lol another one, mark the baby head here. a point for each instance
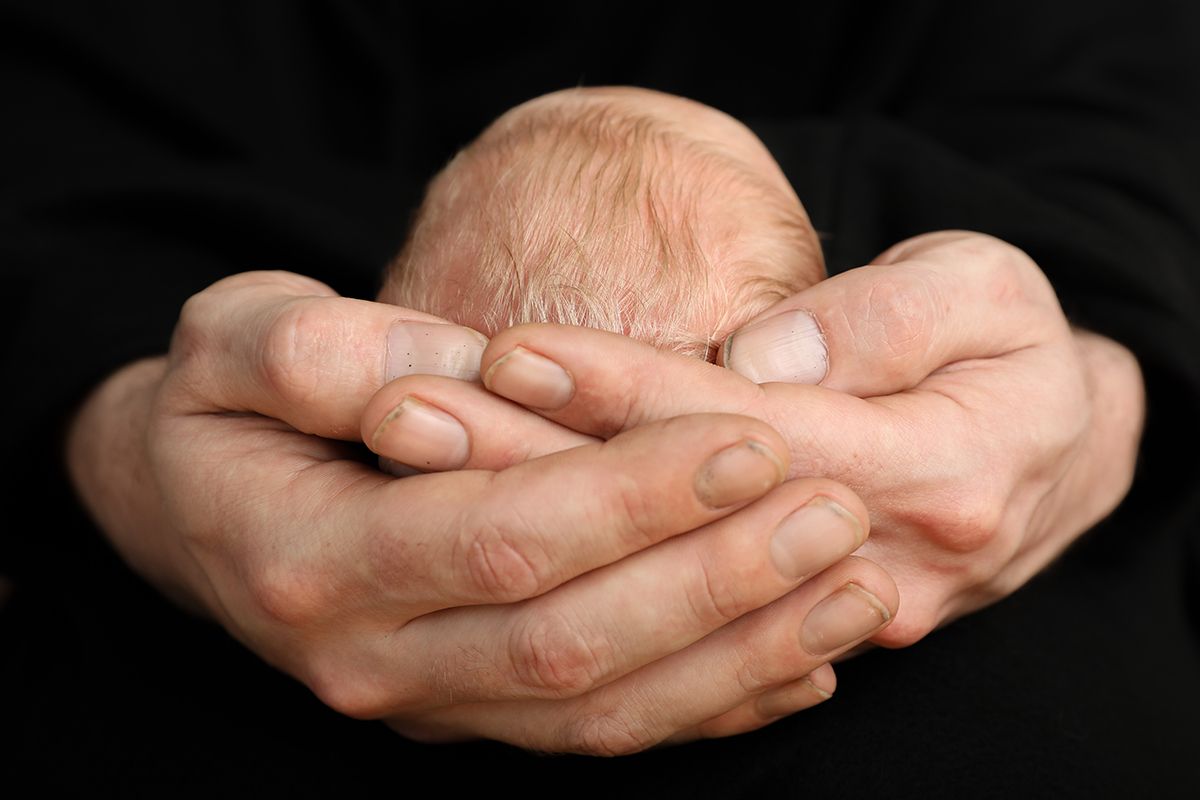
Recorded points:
(623, 209)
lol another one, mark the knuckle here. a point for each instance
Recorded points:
(1013, 259)
(964, 522)
(193, 330)
(549, 653)
(500, 565)
(290, 595)
(899, 316)
(762, 664)
(293, 346)
(1009, 275)
(633, 511)
(714, 595)
(273, 280)
(607, 733)
(1012, 276)
(626, 406)
(753, 676)
(971, 524)
(340, 687)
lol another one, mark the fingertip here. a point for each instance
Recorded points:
(752, 459)
(423, 435)
(741, 472)
(803, 693)
(845, 502)
(417, 347)
(823, 680)
(877, 581)
(529, 379)
(377, 408)
(787, 347)
(503, 342)
(863, 602)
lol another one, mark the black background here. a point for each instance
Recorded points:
(149, 149)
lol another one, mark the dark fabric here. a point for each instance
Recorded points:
(149, 149)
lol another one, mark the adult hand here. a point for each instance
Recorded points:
(602, 599)
(942, 383)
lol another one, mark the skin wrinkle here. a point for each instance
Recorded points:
(592, 208)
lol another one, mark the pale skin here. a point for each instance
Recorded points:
(444, 603)
(991, 434)
(979, 398)
(199, 500)
(455, 605)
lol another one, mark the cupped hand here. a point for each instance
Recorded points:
(942, 383)
(601, 599)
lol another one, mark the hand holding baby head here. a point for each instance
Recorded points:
(618, 209)
(601, 599)
(965, 411)
(665, 580)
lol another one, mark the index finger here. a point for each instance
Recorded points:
(601, 383)
(531, 527)
(618, 383)
(411, 546)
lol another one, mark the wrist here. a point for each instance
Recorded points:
(1104, 469)
(108, 462)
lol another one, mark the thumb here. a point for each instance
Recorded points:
(886, 327)
(288, 347)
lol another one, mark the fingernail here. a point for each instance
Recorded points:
(810, 539)
(823, 681)
(844, 617)
(418, 434)
(744, 471)
(790, 698)
(786, 348)
(530, 379)
(426, 348)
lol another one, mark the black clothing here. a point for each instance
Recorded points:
(150, 149)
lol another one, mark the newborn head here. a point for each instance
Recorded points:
(623, 209)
